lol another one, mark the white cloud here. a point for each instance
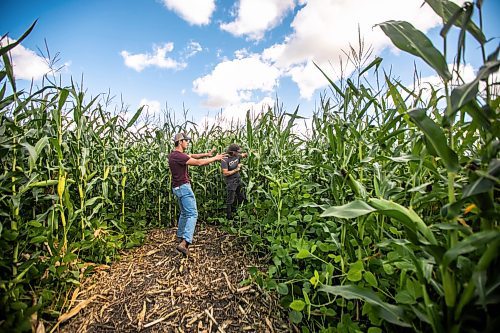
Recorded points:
(151, 107)
(321, 30)
(235, 114)
(232, 81)
(157, 59)
(255, 17)
(308, 78)
(196, 12)
(27, 65)
(150, 115)
(191, 49)
(241, 53)
(465, 74)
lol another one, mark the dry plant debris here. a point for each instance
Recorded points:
(154, 288)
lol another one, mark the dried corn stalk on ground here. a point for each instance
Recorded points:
(155, 289)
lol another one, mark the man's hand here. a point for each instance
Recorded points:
(219, 157)
(211, 152)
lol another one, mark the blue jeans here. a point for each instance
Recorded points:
(189, 213)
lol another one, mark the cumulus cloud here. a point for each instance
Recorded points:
(241, 53)
(321, 30)
(27, 65)
(233, 81)
(159, 58)
(234, 114)
(151, 107)
(195, 12)
(464, 74)
(191, 49)
(255, 17)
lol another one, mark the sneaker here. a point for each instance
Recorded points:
(183, 247)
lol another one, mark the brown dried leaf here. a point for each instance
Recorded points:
(75, 310)
(141, 316)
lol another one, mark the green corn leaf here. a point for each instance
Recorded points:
(470, 244)
(435, 138)
(42, 143)
(406, 216)
(349, 211)
(337, 89)
(449, 11)
(485, 183)
(376, 62)
(404, 36)
(10, 74)
(479, 117)
(467, 92)
(391, 313)
(92, 201)
(33, 156)
(134, 118)
(62, 98)
(480, 280)
(9, 47)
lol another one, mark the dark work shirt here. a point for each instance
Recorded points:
(178, 168)
(230, 163)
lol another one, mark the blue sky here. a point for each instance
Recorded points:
(212, 56)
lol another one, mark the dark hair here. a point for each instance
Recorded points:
(233, 148)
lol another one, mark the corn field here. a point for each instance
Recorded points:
(384, 216)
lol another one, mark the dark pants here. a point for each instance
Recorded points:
(235, 196)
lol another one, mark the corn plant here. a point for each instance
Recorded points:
(450, 277)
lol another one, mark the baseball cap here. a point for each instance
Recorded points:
(233, 147)
(180, 136)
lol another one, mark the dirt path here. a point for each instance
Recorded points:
(155, 289)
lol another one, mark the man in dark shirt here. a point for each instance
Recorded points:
(178, 162)
(231, 167)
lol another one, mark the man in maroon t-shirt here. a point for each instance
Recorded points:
(178, 162)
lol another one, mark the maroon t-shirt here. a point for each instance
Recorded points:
(178, 168)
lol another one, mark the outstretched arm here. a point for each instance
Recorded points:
(210, 153)
(204, 161)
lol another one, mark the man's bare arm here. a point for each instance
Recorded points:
(210, 153)
(205, 161)
(228, 173)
